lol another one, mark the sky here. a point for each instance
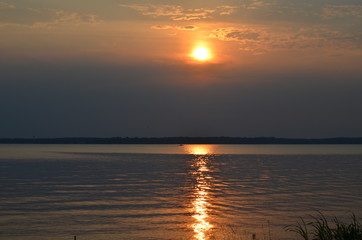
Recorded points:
(92, 68)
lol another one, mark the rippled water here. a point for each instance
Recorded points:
(172, 192)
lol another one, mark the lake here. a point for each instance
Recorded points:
(109, 192)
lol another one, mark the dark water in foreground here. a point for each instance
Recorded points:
(109, 192)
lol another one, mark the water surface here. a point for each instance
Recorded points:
(172, 192)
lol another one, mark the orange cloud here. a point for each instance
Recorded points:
(162, 27)
(255, 4)
(177, 12)
(226, 9)
(156, 10)
(187, 28)
(166, 27)
(264, 38)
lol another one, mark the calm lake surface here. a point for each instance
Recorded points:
(109, 192)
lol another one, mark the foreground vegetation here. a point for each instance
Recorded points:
(319, 228)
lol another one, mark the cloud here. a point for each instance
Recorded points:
(64, 17)
(162, 27)
(194, 14)
(243, 35)
(156, 10)
(168, 27)
(45, 17)
(263, 38)
(324, 38)
(174, 12)
(342, 11)
(226, 9)
(187, 28)
(255, 4)
(178, 13)
(4, 5)
(250, 39)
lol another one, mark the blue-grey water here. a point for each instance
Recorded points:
(109, 192)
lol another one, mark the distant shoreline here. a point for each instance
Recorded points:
(181, 140)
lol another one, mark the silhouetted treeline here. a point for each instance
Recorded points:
(181, 140)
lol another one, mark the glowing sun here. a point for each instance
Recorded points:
(201, 54)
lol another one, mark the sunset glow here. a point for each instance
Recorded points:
(199, 149)
(197, 120)
(162, 68)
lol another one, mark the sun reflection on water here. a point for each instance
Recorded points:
(199, 149)
(202, 179)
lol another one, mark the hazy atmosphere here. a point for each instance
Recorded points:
(131, 68)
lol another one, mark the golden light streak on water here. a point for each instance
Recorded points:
(201, 226)
(200, 202)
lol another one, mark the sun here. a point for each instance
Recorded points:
(201, 54)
